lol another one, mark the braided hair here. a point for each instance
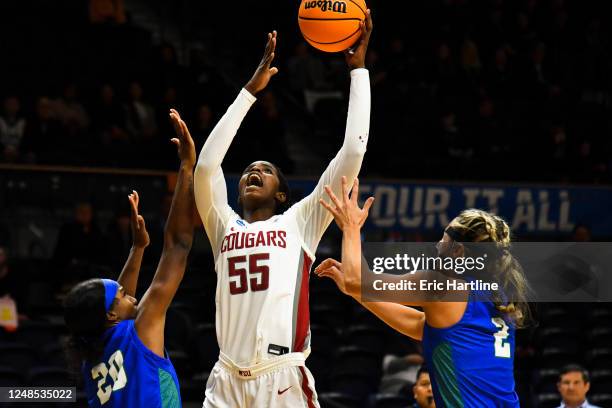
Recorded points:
(475, 225)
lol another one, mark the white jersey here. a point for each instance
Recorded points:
(263, 268)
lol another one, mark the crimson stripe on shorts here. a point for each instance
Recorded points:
(303, 311)
(306, 389)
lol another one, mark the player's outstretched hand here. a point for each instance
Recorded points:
(140, 236)
(346, 212)
(355, 57)
(330, 268)
(183, 140)
(264, 71)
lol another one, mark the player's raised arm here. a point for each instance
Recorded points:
(209, 182)
(140, 240)
(178, 237)
(347, 162)
(347, 275)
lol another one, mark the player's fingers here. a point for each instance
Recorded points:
(336, 272)
(368, 204)
(141, 222)
(273, 71)
(137, 197)
(369, 23)
(345, 191)
(355, 191)
(335, 263)
(175, 118)
(326, 206)
(333, 197)
(325, 264)
(185, 132)
(176, 142)
(133, 206)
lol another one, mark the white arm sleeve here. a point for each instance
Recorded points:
(209, 183)
(312, 218)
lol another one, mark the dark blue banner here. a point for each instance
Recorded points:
(535, 209)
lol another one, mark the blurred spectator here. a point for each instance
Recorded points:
(167, 73)
(492, 136)
(108, 124)
(458, 146)
(423, 395)
(12, 128)
(442, 72)
(43, 141)
(70, 111)
(80, 241)
(400, 372)
(573, 387)
(470, 60)
(106, 11)
(140, 116)
(499, 75)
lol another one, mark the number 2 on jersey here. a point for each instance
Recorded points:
(501, 349)
(116, 372)
(259, 274)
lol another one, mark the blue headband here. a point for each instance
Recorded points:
(110, 291)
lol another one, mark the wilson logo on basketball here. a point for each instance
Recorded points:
(326, 5)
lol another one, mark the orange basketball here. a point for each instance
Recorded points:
(331, 25)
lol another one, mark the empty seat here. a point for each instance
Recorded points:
(599, 337)
(554, 315)
(545, 381)
(601, 381)
(557, 357)
(602, 400)
(561, 337)
(599, 358)
(600, 316)
(548, 400)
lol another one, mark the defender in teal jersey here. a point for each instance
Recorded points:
(118, 343)
(468, 343)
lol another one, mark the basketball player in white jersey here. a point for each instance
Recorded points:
(263, 255)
